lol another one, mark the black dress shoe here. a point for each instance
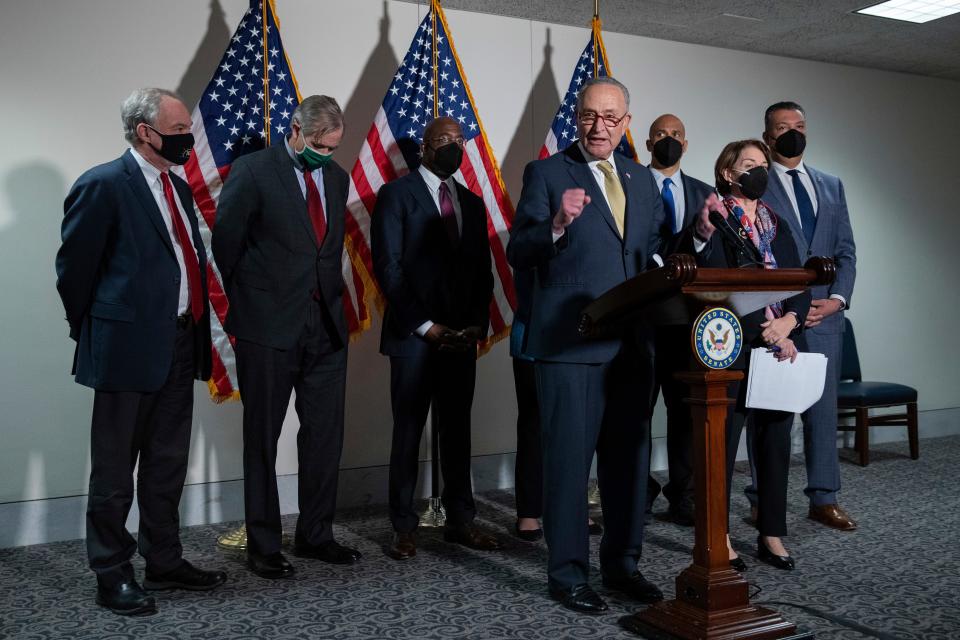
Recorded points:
(404, 546)
(187, 577)
(595, 528)
(529, 535)
(270, 566)
(580, 598)
(635, 586)
(332, 552)
(127, 599)
(738, 564)
(765, 555)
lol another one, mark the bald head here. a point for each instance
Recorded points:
(439, 126)
(442, 147)
(670, 124)
(667, 143)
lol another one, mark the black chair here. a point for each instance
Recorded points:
(858, 397)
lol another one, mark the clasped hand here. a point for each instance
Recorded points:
(446, 339)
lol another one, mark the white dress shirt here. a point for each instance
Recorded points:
(676, 189)
(787, 181)
(433, 186)
(152, 176)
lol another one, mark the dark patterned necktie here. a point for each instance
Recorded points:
(448, 215)
(808, 219)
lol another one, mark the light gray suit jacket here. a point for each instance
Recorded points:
(832, 238)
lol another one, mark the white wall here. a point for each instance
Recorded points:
(67, 65)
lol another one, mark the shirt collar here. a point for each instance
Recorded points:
(150, 172)
(782, 169)
(675, 179)
(433, 180)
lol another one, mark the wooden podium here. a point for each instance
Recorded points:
(712, 600)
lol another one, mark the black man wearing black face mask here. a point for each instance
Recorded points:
(683, 197)
(431, 257)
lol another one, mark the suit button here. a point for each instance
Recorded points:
(176, 280)
(173, 316)
(626, 252)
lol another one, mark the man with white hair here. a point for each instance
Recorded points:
(130, 273)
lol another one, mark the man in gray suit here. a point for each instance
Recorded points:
(814, 205)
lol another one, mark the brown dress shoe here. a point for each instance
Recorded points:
(833, 516)
(470, 536)
(404, 546)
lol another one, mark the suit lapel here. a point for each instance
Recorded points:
(334, 207)
(776, 197)
(583, 176)
(690, 201)
(138, 184)
(285, 174)
(822, 209)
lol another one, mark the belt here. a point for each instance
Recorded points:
(184, 320)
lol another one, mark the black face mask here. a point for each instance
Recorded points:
(446, 160)
(667, 151)
(791, 144)
(174, 147)
(753, 183)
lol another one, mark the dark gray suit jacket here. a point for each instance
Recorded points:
(589, 259)
(266, 249)
(832, 238)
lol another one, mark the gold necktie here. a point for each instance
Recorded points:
(615, 197)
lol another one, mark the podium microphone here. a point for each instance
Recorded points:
(745, 250)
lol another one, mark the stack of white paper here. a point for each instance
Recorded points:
(784, 385)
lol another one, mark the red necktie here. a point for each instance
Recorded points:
(448, 214)
(315, 208)
(189, 254)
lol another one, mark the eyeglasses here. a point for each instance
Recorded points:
(588, 118)
(443, 141)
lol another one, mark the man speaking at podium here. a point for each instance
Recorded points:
(587, 220)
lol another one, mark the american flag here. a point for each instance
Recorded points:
(391, 149)
(246, 107)
(563, 129)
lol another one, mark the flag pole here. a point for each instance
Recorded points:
(434, 5)
(266, 75)
(434, 516)
(596, 34)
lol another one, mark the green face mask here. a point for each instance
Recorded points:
(313, 159)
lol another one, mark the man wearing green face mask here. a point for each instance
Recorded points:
(278, 242)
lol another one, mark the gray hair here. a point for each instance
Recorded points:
(318, 115)
(592, 82)
(142, 106)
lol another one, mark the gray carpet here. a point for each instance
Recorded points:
(898, 576)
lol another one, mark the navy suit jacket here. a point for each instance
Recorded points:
(833, 237)
(676, 309)
(590, 257)
(420, 272)
(119, 280)
(266, 249)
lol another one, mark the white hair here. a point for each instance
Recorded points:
(142, 106)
